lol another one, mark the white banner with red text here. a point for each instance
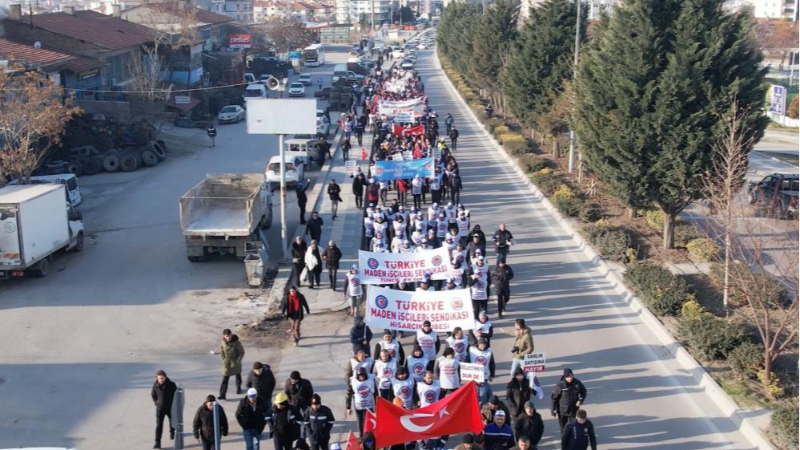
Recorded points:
(389, 268)
(405, 311)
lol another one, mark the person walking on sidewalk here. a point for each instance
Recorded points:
(299, 390)
(360, 335)
(212, 135)
(284, 428)
(579, 434)
(332, 255)
(314, 226)
(353, 289)
(334, 193)
(299, 248)
(232, 353)
(346, 146)
(416, 191)
(568, 396)
(302, 199)
(448, 123)
(292, 308)
(252, 414)
(501, 280)
(163, 393)
(313, 262)
(454, 138)
(203, 423)
(261, 379)
(319, 421)
(503, 240)
(359, 183)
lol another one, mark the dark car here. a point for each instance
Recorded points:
(778, 192)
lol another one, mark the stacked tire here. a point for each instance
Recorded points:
(87, 160)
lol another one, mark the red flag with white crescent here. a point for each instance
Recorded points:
(370, 422)
(454, 414)
(352, 442)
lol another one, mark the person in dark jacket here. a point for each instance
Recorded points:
(360, 335)
(518, 391)
(474, 246)
(579, 434)
(314, 226)
(292, 308)
(212, 135)
(299, 391)
(529, 424)
(252, 415)
(359, 183)
(163, 393)
(299, 248)
(319, 422)
(501, 281)
(284, 428)
(503, 240)
(568, 396)
(497, 434)
(454, 138)
(203, 423)
(334, 193)
(302, 199)
(454, 187)
(332, 255)
(262, 380)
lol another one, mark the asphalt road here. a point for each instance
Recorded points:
(81, 346)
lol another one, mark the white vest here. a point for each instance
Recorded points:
(385, 371)
(484, 328)
(366, 364)
(353, 285)
(448, 373)
(441, 227)
(363, 393)
(404, 390)
(484, 357)
(478, 289)
(392, 347)
(428, 394)
(463, 227)
(460, 346)
(428, 343)
(451, 214)
(416, 367)
(369, 227)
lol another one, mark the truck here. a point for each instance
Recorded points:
(224, 215)
(778, 192)
(36, 221)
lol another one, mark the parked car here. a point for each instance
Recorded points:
(778, 192)
(297, 89)
(305, 79)
(407, 65)
(295, 171)
(231, 114)
(354, 77)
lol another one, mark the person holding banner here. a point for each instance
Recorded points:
(360, 396)
(416, 191)
(428, 340)
(482, 354)
(392, 346)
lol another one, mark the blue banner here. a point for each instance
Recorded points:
(403, 170)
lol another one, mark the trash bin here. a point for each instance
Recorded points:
(255, 268)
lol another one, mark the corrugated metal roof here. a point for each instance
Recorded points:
(105, 31)
(33, 56)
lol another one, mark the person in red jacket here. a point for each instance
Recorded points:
(402, 190)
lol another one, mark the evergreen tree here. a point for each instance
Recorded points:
(454, 34)
(652, 89)
(541, 59)
(491, 43)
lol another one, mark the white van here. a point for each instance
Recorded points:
(69, 180)
(339, 71)
(255, 91)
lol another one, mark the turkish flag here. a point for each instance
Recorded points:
(454, 414)
(352, 442)
(370, 422)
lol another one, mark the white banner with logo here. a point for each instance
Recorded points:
(405, 311)
(407, 108)
(389, 268)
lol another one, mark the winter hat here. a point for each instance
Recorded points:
(354, 267)
(494, 400)
(357, 319)
(295, 375)
(426, 323)
(211, 398)
(251, 393)
(257, 365)
(529, 404)
(469, 439)
(519, 371)
(387, 332)
(567, 372)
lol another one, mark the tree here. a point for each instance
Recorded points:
(454, 34)
(289, 35)
(541, 59)
(33, 114)
(405, 15)
(794, 108)
(651, 94)
(496, 31)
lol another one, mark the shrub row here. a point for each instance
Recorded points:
(768, 288)
(610, 241)
(662, 291)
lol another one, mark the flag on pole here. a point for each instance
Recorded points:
(370, 422)
(352, 442)
(454, 414)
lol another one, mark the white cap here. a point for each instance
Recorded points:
(252, 392)
(336, 446)
(499, 413)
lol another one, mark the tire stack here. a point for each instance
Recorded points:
(87, 160)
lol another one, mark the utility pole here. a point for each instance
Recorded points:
(572, 137)
(372, 10)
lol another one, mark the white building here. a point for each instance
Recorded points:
(775, 9)
(351, 11)
(596, 7)
(238, 10)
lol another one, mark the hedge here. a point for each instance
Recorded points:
(746, 359)
(499, 130)
(662, 291)
(493, 123)
(785, 425)
(568, 206)
(532, 163)
(515, 143)
(702, 249)
(590, 212)
(711, 337)
(610, 241)
(765, 285)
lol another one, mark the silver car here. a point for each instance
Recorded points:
(231, 114)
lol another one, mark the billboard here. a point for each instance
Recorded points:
(238, 41)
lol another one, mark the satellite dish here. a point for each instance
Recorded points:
(37, 44)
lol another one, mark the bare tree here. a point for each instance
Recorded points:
(33, 114)
(723, 183)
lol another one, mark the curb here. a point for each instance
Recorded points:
(723, 401)
(285, 270)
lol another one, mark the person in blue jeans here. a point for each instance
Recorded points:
(252, 414)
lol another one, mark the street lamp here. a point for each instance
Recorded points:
(572, 137)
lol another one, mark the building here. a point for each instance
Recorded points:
(776, 9)
(342, 11)
(596, 7)
(238, 10)
(116, 43)
(76, 73)
(352, 11)
(266, 11)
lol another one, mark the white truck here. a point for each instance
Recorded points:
(35, 222)
(224, 215)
